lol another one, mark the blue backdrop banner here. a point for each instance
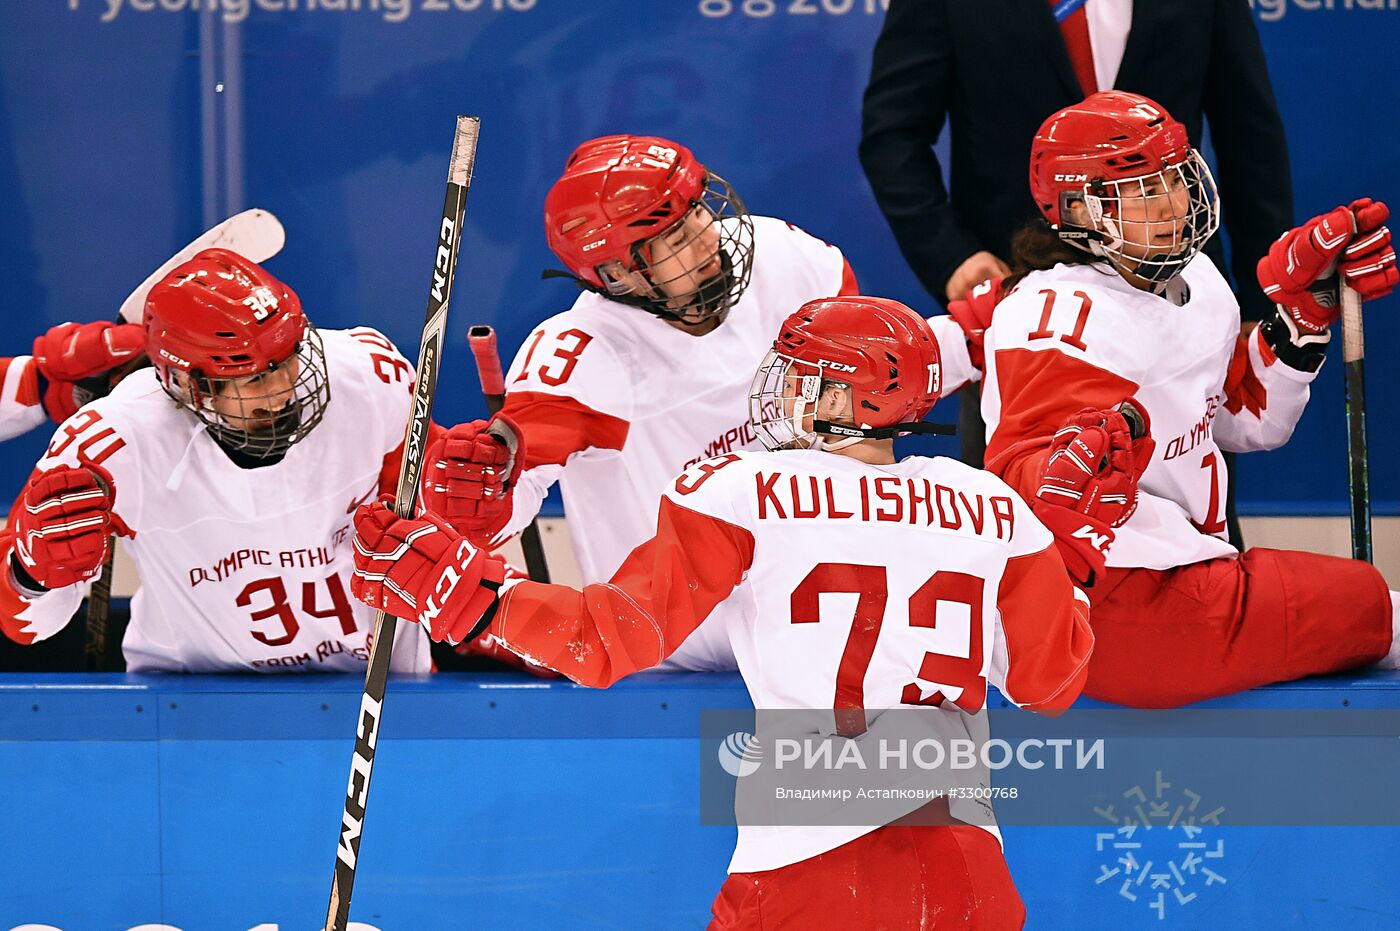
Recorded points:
(127, 126)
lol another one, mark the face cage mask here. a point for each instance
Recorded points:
(713, 296)
(298, 409)
(778, 380)
(1190, 231)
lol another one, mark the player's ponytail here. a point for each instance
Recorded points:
(1036, 247)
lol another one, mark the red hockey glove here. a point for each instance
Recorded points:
(471, 473)
(974, 315)
(71, 352)
(423, 570)
(1090, 481)
(1368, 264)
(64, 527)
(1298, 273)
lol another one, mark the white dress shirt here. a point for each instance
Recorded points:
(1109, 22)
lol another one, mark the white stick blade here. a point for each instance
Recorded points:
(255, 234)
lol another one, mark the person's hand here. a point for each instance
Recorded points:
(975, 269)
(1090, 484)
(64, 525)
(974, 314)
(71, 352)
(421, 569)
(1299, 273)
(470, 473)
(1368, 263)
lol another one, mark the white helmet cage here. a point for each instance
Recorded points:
(265, 425)
(1159, 262)
(780, 379)
(712, 296)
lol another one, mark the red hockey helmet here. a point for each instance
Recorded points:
(1112, 148)
(879, 350)
(617, 195)
(217, 328)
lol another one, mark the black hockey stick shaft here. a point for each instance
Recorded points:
(99, 604)
(1358, 478)
(482, 340)
(367, 728)
(99, 601)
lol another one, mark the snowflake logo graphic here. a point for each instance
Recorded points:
(1160, 851)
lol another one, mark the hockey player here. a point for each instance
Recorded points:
(1110, 299)
(753, 539)
(48, 385)
(232, 469)
(648, 372)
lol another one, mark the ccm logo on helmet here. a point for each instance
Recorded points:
(1071, 178)
(165, 354)
(589, 247)
(838, 366)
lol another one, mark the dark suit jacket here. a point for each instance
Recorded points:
(996, 69)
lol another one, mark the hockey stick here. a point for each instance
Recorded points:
(454, 207)
(482, 339)
(1358, 479)
(99, 602)
(254, 234)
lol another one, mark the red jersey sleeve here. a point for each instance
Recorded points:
(1037, 391)
(660, 594)
(1045, 624)
(556, 426)
(1264, 398)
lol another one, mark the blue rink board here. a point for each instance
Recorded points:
(501, 801)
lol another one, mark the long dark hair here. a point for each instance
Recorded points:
(1036, 247)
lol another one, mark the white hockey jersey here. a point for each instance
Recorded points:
(613, 402)
(1079, 336)
(20, 410)
(840, 586)
(241, 569)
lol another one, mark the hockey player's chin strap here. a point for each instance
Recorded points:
(1159, 269)
(883, 433)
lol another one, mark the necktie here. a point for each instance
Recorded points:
(1074, 28)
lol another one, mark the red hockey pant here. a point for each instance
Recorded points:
(1167, 637)
(895, 878)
